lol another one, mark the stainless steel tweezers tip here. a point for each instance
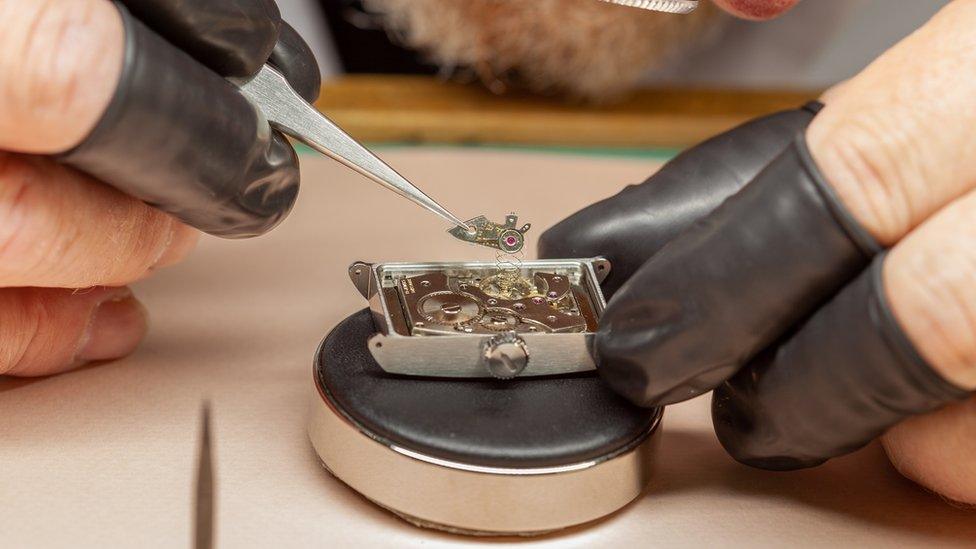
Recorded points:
(668, 6)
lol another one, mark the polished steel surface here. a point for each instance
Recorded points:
(669, 6)
(472, 499)
(290, 113)
(461, 356)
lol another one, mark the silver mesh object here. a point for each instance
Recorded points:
(669, 6)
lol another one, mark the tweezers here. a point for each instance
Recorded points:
(289, 113)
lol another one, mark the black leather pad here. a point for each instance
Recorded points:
(530, 422)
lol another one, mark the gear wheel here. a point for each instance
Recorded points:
(447, 308)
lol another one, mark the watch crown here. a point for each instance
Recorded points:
(505, 355)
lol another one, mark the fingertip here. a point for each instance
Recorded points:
(632, 360)
(47, 331)
(115, 328)
(231, 38)
(296, 61)
(756, 10)
(750, 433)
(626, 379)
(931, 450)
(183, 240)
(269, 197)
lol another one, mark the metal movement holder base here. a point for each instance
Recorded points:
(460, 496)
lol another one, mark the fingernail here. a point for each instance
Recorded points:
(116, 327)
(182, 241)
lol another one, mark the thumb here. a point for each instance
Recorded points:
(61, 63)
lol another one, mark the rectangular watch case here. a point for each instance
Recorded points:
(478, 319)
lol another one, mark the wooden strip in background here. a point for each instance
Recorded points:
(419, 109)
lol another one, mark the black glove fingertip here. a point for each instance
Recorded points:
(848, 374)
(731, 284)
(638, 382)
(271, 192)
(231, 37)
(181, 138)
(293, 57)
(635, 224)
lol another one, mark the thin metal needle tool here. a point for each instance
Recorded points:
(290, 113)
(203, 523)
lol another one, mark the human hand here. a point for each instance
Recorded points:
(784, 300)
(177, 135)
(122, 104)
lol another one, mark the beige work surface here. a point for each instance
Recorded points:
(105, 457)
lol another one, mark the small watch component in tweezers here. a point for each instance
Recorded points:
(507, 237)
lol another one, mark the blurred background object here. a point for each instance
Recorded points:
(584, 58)
(580, 48)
